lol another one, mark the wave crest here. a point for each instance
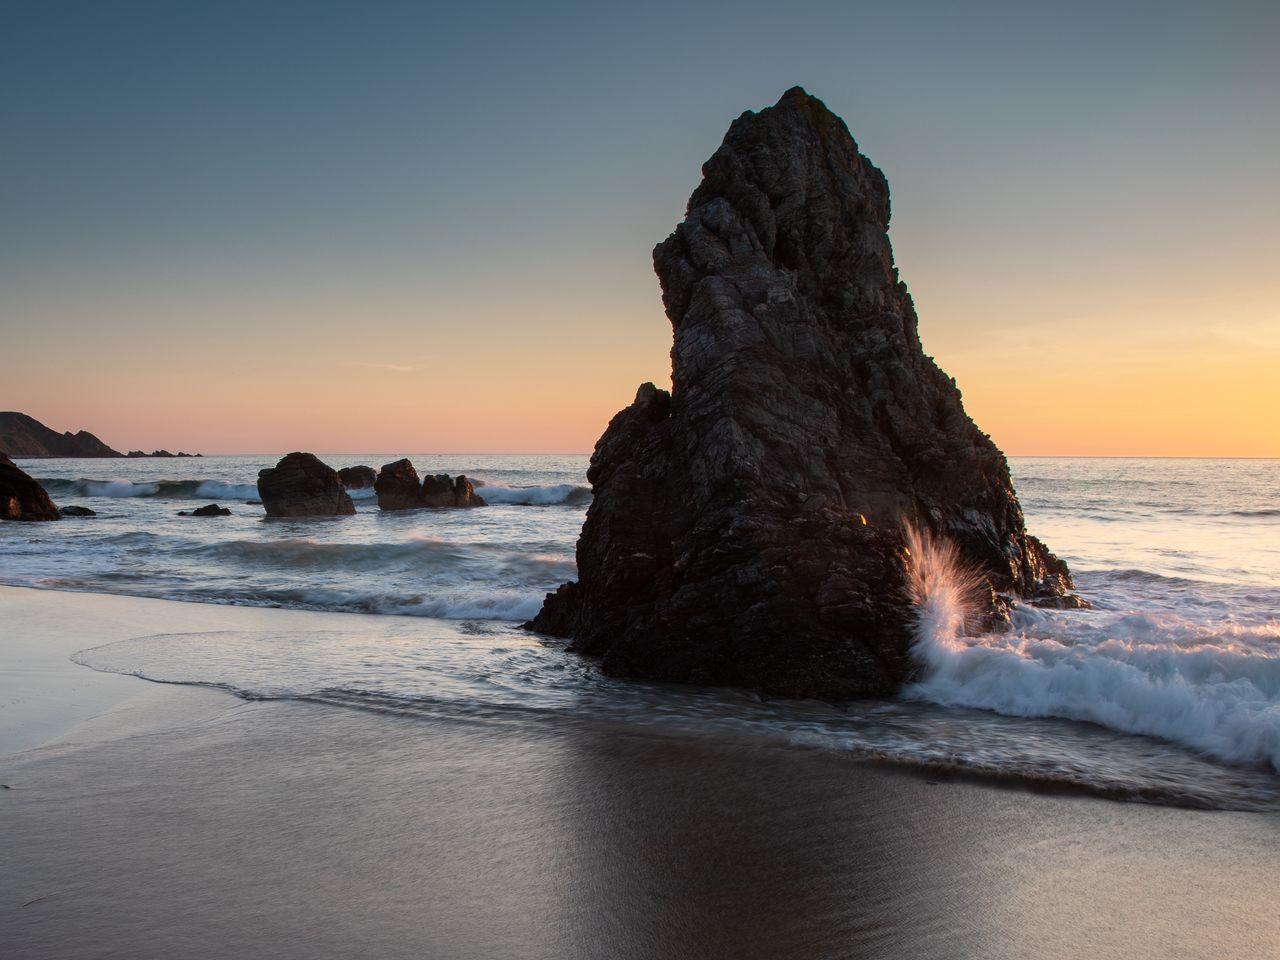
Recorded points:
(163, 489)
(556, 494)
(1213, 688)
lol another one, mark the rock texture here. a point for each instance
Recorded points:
(398, 488)
(358, 478)
(748, 527)
(442, 490)
(24, 436)
(300, 485)
(21, 498)
(77, 511)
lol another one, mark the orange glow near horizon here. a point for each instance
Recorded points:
(414, 232)
(1166, 382)
(1090, 387)
(299, 360)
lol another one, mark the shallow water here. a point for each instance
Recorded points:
(495, 562)
(1168, 690)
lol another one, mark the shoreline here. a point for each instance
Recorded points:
(170, 820)
(47, 699)
(50, 695)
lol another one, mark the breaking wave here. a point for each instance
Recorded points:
(459, 601)
(1212, 687)
(215, 490)
(561, 493)
(421, 554)
(164, 489)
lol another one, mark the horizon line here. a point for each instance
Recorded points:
(339, 453)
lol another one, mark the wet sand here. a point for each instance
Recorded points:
(182, 822)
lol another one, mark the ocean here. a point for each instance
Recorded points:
(1166, 691)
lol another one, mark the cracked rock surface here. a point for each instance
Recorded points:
(748, 528)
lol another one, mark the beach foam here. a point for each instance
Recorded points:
(560, 493)
(1212, 687)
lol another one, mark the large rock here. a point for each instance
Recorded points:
(358, 478)
(398, 489)
(749, 528)
(442, 490)
(300, 485)
(464, 493)
(21, 498)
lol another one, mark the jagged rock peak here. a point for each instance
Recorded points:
(748, 528)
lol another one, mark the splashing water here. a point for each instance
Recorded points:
(1215, 688)
(944, 589)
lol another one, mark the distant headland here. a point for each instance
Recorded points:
(24, 436)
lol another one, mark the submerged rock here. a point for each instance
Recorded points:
(749, 528)
(358, 478)
(74, 511)
(300, 485)
(21, 498)
(210, 510)
(398, 489)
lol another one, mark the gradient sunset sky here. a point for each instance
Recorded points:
(263, 226)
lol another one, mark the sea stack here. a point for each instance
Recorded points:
(398, 488)
(750, 527)
(300, 485)
(21, 498)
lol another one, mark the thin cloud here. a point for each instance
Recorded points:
(1262, 334)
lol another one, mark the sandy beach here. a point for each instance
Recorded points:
(148, 820)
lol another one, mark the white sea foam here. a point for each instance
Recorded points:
(119, 488)
(459, 602)
(535, 496)
(500, 606)
(1212, 687)
(218, 490)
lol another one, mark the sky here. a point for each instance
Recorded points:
(344, 227)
